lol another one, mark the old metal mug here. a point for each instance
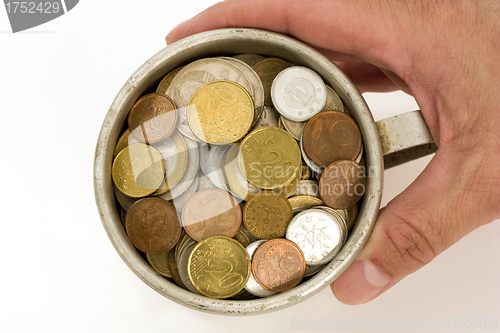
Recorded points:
(389, 142)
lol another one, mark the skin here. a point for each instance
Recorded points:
(444, 53)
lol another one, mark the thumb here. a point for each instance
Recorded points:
(441, 206)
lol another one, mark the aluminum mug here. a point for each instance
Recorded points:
(387, 143)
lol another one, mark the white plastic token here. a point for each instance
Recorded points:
(298, 93)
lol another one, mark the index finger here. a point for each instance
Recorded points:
(361, 28)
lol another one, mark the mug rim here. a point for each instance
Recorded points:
(180, 52)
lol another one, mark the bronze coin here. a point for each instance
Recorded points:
(153, 225)
(278, 265)
(267, 215)
(330, 136)
(152, 118)
(342, 184)
(211, 212)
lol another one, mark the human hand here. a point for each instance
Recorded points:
(446, 54)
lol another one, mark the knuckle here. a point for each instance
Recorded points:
(411, 242)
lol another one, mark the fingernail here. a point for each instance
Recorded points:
(169, 37)
(359, 283)
(172, 32)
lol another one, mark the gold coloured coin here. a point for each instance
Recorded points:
(220, 112)
(288, 189)
(267, 70)
(304, 201)
(124, 140)
(138, 170)
(160, 263)
(333, 101)
(219, 267)
(167, 80)
(266, 216)
(280, 123)
(242, 238)
(249, 58)
(305, 172)
(270, 158)
(174, 152)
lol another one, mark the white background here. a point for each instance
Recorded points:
(60, 272)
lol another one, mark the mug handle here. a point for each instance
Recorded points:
(405, 138)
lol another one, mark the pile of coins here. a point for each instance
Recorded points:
(240, 176)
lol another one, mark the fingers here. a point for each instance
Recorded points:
(433, 213)
(333, 25)
(370, 78)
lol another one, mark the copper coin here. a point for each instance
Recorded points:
(152, 118)
(342, 184)
(153, 225)
(330, 136)
(211, 212)
(278, 265)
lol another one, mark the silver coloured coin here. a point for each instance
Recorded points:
(202, 71)
(209, 162)
(204, 152)
(307, 187)
(239, 185)
(295, 128)
(222, 169)
(249, 58)
(181, 200)
(310, 163)
(360, 155)
(333, 101)
(255, 83)
(168, 151)
(183, 125)
(252, 285)
(203, 182)
(193, 162)
(311, 270)
(213, 165)
(267, 118)
(182, 265)
(125, 201)
(318, 234)
(181, 245)
(340, 215)
(298, 93)
(178, 245)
